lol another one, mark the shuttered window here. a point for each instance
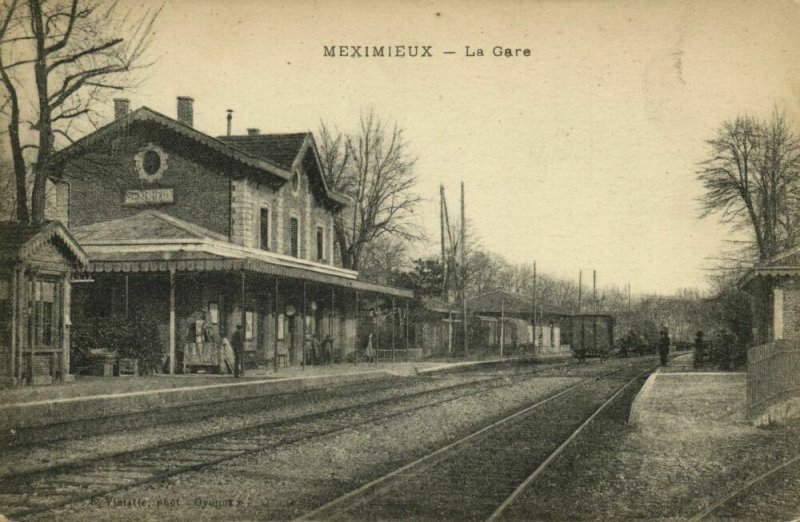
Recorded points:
(264, 229)
(293, 237)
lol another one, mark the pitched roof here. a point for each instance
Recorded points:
(18, 241)
(499, 301)
(284, 150)
(269, 154)
(783, 264)
(281, 149)
(145, 114)
(146, 225)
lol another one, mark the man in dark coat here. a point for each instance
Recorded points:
(237, 343)
(663, 347)
(699, 349)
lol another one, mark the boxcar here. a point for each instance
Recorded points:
(591, 335)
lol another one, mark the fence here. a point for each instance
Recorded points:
(773, 375)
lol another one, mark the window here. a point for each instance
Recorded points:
(46, 300)
(293, 237)
(295, 182)
(320, 244)
(264, 226)
(151, 162)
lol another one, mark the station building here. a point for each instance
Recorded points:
(200, 234)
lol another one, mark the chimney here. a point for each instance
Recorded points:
(186, 110)
(230, 119)
(121, 107)
(253, 132)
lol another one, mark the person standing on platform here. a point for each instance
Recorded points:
(663, 346)
(237, 342)
(699, 349)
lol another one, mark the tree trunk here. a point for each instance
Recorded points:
(44, 123)
(18, 161)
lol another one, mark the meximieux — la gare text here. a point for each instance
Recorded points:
(416, 51)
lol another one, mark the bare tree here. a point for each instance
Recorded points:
(752, 179)
(376, 169)
(66, 56)
(383, 259)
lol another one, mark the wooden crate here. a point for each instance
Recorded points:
(129, 367)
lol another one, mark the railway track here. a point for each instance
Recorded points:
(38, 491)
(479, 476)
(108, 424)
(721, 508)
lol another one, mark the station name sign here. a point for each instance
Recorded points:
(144, 197)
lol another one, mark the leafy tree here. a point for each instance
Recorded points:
(425, 278)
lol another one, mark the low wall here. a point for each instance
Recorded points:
(46, 412)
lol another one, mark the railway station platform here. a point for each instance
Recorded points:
(93, 397)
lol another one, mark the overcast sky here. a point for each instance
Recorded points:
(581, 156)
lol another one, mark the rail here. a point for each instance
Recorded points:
(773, 375)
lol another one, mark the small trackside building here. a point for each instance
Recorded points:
(199, 234)
(506, 320)
(773, 364)
(36, 265)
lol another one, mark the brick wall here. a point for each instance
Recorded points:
(97, 183)
(203, 194)
(57, 202)
(791, 309)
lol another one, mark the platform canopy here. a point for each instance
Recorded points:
(152, 241)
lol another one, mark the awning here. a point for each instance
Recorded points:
(131, 262)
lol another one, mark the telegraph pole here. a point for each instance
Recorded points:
(580, 289)
(502, 325)
(594, 289)
(464, 268)
(444, 250)
(533, 321)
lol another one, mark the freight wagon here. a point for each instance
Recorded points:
(591, 335)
